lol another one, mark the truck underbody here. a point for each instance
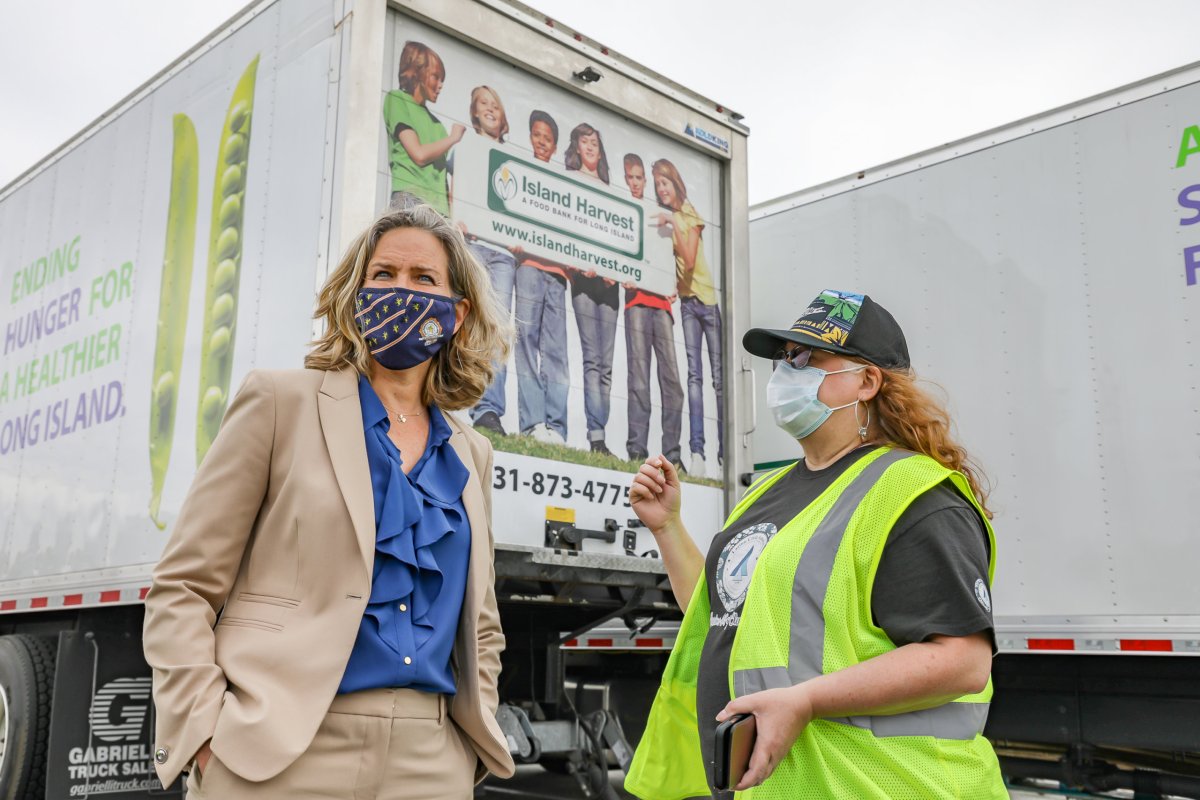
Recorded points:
(1088, 723)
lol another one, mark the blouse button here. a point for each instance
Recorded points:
(403, 607)
(407, 660)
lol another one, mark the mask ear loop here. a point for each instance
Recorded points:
(862, 426)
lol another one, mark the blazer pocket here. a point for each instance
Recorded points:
(269, 599)
(243, 622)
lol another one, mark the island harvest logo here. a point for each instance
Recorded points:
(504, 184)
(586, 213)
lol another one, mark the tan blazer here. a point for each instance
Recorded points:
(277, 535)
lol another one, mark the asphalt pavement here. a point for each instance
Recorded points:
(534, 783)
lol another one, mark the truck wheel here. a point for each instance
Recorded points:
(26, 683)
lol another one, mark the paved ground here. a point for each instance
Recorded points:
(534, 783)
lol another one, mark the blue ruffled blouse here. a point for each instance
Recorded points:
(422, 549)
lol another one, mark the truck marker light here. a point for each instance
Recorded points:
(1148, 645)
(1051, 644)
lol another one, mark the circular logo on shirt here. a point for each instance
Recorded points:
(736, 564)
(981, 594)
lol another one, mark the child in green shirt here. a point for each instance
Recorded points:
(418, 144)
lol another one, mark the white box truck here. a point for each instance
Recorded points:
(1046, 276)
(178, 241)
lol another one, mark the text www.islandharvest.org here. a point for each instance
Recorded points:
(572, 252)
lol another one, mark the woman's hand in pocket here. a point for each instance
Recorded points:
(202, 757)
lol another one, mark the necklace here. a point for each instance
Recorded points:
(401, 417)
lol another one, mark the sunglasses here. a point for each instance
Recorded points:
(796, 358)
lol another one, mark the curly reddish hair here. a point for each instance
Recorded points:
(904, 414)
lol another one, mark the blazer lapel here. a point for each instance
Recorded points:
(477, 517)
(342, 425)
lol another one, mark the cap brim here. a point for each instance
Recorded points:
(766, 343)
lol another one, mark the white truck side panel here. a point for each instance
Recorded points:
(1041, 283)
(75, 504)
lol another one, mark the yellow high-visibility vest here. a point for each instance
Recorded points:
(808, 613)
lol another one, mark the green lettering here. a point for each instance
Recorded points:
(46, 377)
(22, 387)
(78, 356)
(73, 254)
(4, 388)
(114, 342)
(126, 289)
(1189, 145)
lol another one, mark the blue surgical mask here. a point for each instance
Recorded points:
(792, 398)
(402, 327)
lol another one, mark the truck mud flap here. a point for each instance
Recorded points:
(102, 725)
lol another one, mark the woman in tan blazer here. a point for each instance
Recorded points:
(323, 621)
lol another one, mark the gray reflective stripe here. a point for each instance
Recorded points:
(806, 659)
(749, 681)
(807, 645)
(947, 721)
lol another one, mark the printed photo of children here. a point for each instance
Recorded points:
(543, 135)
(418, 144)
(437, 161)
(650, 335)
(543, 373)
(487, 113)
(489, 119)
(595, 300)
(697, 308)
(585, 153)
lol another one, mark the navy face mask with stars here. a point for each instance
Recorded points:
(403, 327)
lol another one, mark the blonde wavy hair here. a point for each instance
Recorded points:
(907, 416)
(461, 370)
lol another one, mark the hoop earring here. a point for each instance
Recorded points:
(862, 426)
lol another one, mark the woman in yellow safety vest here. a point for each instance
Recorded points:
(846, 602)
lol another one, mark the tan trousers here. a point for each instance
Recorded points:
(380, 744)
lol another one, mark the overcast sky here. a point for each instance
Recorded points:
(827, 88)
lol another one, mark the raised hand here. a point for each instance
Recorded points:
(655, 494)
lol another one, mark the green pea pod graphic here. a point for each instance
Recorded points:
(173, 304)
(224, 263)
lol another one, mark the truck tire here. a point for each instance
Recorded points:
(26, 683)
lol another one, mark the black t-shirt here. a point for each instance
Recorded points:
(926, 582)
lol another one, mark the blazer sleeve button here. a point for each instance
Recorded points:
(160, 755)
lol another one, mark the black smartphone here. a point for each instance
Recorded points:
(734, 743)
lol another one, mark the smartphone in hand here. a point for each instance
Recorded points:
(734, 743)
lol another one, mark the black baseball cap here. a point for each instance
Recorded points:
(840, 322)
